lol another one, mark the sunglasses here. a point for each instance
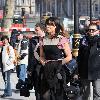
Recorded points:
(91, 30)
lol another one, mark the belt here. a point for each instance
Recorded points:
(54, 60)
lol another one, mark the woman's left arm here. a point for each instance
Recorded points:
(42, 55)
(68, 54)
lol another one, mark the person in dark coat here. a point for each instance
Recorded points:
(34, 65)
(89, 61)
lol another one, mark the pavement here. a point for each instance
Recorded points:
(15, 93)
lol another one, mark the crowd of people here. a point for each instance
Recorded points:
(44, 62)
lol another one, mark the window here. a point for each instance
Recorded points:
(96, 7)
(28, 2)
(22, 2)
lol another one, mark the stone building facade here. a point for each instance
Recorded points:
(27, 5)
(84, 8)
(60, 8)
(2, 4)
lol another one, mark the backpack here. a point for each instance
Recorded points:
(16, 55)
(24, 44)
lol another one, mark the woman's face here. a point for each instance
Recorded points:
(50, 29)
(5, 41)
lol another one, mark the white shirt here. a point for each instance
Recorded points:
(7, 59)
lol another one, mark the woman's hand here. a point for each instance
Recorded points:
(42, 62)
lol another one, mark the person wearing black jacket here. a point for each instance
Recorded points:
(89, 62)
(34, 65)
(23, 60)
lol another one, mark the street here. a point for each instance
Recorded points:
(15, 93)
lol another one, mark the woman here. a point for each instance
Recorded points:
(8, 57)
(54, 52)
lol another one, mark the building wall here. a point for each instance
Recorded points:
(60, 8)
(64, 8)
(29, 6)
(84, 8)
(2, 4)
(96, 8)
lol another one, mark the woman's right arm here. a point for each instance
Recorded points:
(42, 58)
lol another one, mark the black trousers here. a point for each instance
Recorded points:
(86, 89)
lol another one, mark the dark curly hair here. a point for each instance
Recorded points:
(4, 37)
(54, 21)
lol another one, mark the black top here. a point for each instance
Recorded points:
(51, 50)
(32, 61)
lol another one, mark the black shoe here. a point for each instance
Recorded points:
(4, 95)
(18, 85)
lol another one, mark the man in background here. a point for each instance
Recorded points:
(34, 65)
(89, 62)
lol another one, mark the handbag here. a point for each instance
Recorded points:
(71, 66)
(73, 90)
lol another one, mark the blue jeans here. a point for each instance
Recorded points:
(7, 90)
(22, 73)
